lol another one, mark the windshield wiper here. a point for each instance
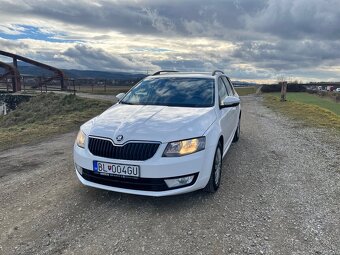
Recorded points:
(126, 103)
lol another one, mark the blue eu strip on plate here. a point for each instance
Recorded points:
(95, 166)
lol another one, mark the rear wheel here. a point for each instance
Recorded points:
(215, 176)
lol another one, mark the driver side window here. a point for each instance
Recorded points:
(222, 91)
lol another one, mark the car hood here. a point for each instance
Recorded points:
(150, 122)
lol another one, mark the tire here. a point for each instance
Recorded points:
(215, 177)
(237, 132)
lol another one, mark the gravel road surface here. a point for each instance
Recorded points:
(280, 194)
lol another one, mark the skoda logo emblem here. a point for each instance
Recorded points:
(119, 138)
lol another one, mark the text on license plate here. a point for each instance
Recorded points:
(115, 169)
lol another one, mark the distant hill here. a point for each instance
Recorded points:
(26, 69)
(74, 73)
(243, 83)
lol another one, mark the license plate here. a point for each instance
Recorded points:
(104, 168)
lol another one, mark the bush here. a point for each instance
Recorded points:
(312, 91)
(335, 96)
(323, 93)
(12, 101)
(277, 88)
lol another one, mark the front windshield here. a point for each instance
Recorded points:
(181, 92)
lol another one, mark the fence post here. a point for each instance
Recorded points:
(40, 84)
(283, 91)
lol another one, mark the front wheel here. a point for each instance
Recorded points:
(215, 176)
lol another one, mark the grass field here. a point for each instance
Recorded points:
(45, 115)
(312, 99)
(301, 107)
(243, 91)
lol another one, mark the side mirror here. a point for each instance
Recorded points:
(230, 101)
(120, 96)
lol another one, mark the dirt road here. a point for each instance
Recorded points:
(280, 194)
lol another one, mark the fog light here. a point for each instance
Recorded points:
(172, 183)
(78, 168)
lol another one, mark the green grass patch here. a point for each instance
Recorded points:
(311, 99)
(311, 114)
(243, 91)
(45, 115)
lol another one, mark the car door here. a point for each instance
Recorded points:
(226, 114)
(235, 110)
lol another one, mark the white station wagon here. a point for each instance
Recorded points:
(166, 136)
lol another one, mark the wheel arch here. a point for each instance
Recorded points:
(221, 141)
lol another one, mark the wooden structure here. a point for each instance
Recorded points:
(12, 71)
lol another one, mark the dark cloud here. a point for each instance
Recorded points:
(190, 17)
(288, 55)
(302, 19)
(99, 59)
(234, 19)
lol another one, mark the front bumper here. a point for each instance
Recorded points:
(152, 172)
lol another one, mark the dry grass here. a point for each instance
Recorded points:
(46, 115)
(243, 91)
(312, 115)
(101, 90)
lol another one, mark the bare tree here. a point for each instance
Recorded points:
(281, 78)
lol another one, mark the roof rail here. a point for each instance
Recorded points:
(164, 71)
(217, 71)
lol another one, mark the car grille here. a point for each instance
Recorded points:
(130, 151)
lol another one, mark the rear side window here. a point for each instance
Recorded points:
(222, 91)
(232, 86)
(229, 87)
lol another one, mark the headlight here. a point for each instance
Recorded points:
(80, 140)
(184, 147)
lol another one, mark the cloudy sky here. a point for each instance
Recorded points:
(254, 40)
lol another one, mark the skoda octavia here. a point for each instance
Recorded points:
(166, 136)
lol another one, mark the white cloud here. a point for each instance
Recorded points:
(162, 24)
(11, 29)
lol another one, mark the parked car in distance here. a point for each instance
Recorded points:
(166, 136)
(337, 90)
(330, 88)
